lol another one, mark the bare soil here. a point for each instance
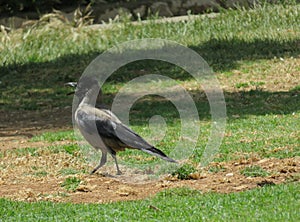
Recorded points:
(37, 177)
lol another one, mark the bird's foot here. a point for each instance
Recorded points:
(93, 171)
(119, 172)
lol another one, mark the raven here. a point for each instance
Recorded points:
(102, 129)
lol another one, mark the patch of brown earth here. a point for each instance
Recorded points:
(39, 177)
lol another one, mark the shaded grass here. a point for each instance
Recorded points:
(56, 53)
(253, 205)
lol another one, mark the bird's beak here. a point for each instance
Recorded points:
(71, 84)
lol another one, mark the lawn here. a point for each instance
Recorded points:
(255, 55)
(280, 203)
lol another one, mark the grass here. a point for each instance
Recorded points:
(71, 149)
(21, 152)
(71, 183)
(54, 136)
(184, 171)
(250, 51)
(56, 53)
(254, 171)
(253, 205)
(267, 136)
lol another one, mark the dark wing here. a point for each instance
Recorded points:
(111, 131)
(121, 134)
(117, 132)
(116, 135)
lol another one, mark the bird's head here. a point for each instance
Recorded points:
(86, 87)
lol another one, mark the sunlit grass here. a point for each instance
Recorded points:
(270, 203)
(55, 136)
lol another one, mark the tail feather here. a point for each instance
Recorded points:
(156, 152)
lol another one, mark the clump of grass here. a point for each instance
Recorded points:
(71, 149)
(184, 172)
(71, 183)
(254, 171)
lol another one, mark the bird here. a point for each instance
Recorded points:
(102, 129)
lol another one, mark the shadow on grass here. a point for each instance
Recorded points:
(239, 104)
(35, 86)
(224, 55)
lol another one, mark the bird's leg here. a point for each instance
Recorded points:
(115, 158)
(102, 162)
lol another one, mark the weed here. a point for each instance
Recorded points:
(183, 172)
(71, 149)
(71, 183)
(254, 171)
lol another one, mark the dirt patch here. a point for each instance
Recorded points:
(39, 176)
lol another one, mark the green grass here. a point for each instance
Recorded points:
(71, 149)
(71, 183)
(56, 53)
(41, 173)
(254, 171)
(21, 152)
(267, 136)
(36, 62)
(270, 203)
(184, 171)
(259, 121)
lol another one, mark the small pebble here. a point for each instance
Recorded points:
(229, 174)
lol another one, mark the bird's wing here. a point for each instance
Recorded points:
(109, 126)
(117, 131)
(115, 134)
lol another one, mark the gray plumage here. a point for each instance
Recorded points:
(102, 129)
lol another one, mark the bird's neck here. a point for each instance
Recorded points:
(90, 97)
